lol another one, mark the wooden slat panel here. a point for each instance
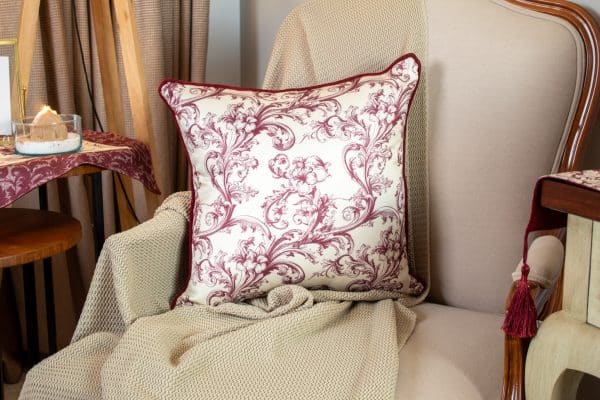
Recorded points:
(577, 267)
(136, 85)
(111, 88)
(109, 70)
(30, 10)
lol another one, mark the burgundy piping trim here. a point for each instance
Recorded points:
(237, 88)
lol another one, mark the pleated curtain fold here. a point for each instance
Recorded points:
(173, 40)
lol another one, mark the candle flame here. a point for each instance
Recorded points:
(45, 109)
(47, 125)
(46, 116)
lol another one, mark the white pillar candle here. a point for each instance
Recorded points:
(48, 126)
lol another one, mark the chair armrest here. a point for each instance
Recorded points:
(139, 271)
(546, 259)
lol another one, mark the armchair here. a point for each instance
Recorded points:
(511, 94)
(493, 127)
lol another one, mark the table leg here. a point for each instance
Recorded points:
(31, 313)
(43, 197)
(1, 352)
(1, 375)
(48, 284)
(98, 213)
(50, 310)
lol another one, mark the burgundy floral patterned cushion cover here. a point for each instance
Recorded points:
(301, 186)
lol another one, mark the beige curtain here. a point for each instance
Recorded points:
(173, 39)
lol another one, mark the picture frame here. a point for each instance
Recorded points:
(10, 86)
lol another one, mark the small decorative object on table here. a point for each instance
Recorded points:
(11, 91)
(47, 133)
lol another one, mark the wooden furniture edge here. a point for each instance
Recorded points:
(567, 198)
(515, 349)
(111, 86)
(135, 78)
(53, 233)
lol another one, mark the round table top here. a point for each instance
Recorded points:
(29, 235)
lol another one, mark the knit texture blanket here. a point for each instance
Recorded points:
(292, 344)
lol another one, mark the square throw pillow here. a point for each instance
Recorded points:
(301, 186)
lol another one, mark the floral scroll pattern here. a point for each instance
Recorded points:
(21, 174)
(589, 179)
(304, 186)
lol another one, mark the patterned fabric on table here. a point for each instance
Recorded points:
(589, 179)
(300, 186)
(21, 174)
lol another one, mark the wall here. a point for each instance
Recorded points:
(223, 60)
(243, 61)
(259, 24)
(592, 5)
(241, 35)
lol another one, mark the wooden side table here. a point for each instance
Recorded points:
(27, 236)
(567, 345)
(101, 151)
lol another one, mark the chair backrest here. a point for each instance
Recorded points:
(510, 93)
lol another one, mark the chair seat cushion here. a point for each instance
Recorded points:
(452, 354)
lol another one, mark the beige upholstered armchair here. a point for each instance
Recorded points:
(510, 92)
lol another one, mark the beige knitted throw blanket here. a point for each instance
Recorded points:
(293, 344)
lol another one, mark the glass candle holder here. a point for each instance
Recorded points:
(36, 139)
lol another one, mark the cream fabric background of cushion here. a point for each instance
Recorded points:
(300, 186)
(317, 43)
(494, 127)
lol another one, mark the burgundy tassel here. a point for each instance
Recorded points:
(521, 316)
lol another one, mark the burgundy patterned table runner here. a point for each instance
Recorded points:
(521, 315)
(21, 174)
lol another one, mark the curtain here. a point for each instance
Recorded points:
(173, 41)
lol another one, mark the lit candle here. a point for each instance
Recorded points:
(48, 133)
(47, 125)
